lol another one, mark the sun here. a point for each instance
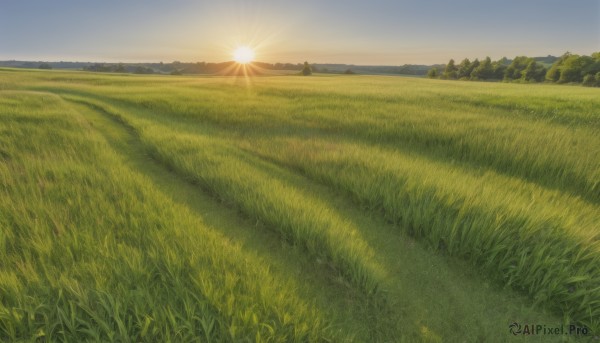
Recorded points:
(243, 55)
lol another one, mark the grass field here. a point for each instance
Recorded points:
(295, 209)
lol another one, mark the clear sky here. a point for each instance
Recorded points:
(320, 31)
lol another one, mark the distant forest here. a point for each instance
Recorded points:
(180, 68)
(175, 68)
(568, 68)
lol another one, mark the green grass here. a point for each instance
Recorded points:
(92, 251)
(144, 208)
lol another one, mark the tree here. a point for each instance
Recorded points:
(464, 68)
(450, 72)
(591, 64)
(98, 67)
(589, 80)
(143, 70)
(533, 72)
(499, 68)
(503, 61)
(553, 73)
(433, 73)
(484, 71)
(306, 70)
(349, 72)
(540, 73)
(474, 66)
(120, 68)
(45, 66)
(514, 70)
(572, 68)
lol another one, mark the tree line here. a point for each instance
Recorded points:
(179, 68)
(568, 68)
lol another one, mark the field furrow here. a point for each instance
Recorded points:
(478, 216)
(96, 252)
(401, 288)
(276, 209)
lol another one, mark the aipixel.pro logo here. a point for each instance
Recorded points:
(542, 329)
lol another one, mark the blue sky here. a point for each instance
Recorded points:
(325, 31)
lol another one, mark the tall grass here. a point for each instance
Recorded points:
(256, 190)
(544, 134)
(503, 176)
(542, 242)
(92, 252)
(516, 187)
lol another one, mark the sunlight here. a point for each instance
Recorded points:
(243, 55)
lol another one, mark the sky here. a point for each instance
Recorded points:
(373, 32)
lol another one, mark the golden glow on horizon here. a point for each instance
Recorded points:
(243, 55)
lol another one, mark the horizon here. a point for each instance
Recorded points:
(255, 62)
(381, 33)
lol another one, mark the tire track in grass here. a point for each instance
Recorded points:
(412, 291)
(415, 277)
(344, 304)
(306, 221)
(423, 286)
(555, 253)
(87, 279)
(472, 298)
